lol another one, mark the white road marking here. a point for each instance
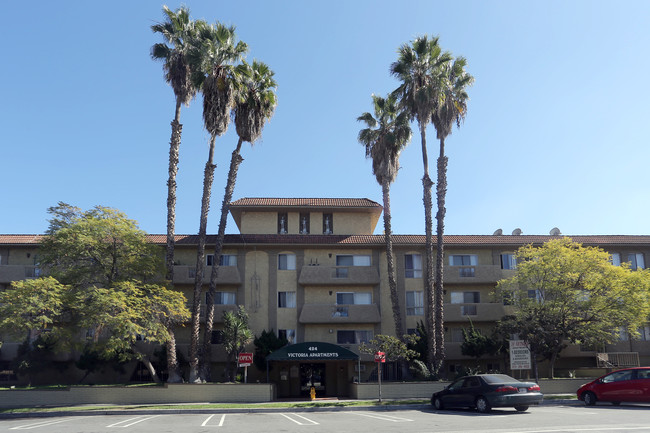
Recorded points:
(309, 421)
(205, 423)
(383, 417)
(40, 424)
(135, 420)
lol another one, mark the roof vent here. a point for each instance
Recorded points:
(498, 232)
(516, 232)
(555, 232)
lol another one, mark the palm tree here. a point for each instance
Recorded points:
(255, 104)
(213, 56)
(418, 67)
(386, 135)
(178, 30)
(451, 109)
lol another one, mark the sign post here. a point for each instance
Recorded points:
(380, 358)
(244, 360)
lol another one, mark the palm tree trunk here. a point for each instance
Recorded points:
(235, 161)
(174, 146)
(208, 178)
(392, 283)
(440, 216)
(428, 279)
(174, 374)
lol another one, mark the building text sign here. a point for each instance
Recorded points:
(519, 355)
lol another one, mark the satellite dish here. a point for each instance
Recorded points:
(555, 232)
(498, 232)
(516, 232)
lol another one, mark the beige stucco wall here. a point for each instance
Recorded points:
(345, 223)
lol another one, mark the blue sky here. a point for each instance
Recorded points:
(555, 135)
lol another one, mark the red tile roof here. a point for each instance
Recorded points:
(372, 240)
(305, 202)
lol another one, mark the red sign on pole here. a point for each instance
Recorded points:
(245, 359)
(380, 357)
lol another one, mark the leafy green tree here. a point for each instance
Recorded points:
(99, 263)
(386, 135)
(265, 344)
(476, 344)
(394, 348)
(419, 68)
(179, 31)
(451, 108)
(563, 291)
(236, 335)
(255, 102)
(213, 56)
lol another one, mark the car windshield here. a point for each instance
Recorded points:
(498, 378)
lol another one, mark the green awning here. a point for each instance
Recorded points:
(313, 351)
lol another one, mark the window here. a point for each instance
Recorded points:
(282, 224)
(636, 261)
(644, 333)
(465, 297)
(228, 260)
(287, 262)
(304, 224)
(286, 299)
(615, 258)
(463, 260)
(535, 294)
(287, 334)
(222, 298)
(468, 310)
(414, 303)
(353, 337)
(216, 337)
(352, 298)
(508, 261)
(456, 335)
(224, 260)
(352, 260)
(413, 266)
(328, 224)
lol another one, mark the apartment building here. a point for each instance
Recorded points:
(312, 271)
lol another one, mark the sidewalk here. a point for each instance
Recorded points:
(318, 405)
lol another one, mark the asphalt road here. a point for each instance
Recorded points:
(542, 419)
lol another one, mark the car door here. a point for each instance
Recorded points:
(617, 386)
(453, 397)
(470, 390)
(643, 380)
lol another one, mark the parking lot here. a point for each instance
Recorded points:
(543, 419)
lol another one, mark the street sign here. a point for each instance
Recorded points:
(519, 355)
(245, 359)
(380, 357)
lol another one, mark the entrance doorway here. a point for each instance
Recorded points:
(312, 375)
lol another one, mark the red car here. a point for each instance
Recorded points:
(628, 385)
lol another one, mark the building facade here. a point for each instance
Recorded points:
(312, 271)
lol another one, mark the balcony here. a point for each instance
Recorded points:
(9, 273)
(474, 274)
(338, 275)
(337, 314)
(484, 312)
(227, 275)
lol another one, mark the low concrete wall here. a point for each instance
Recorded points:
(398, 390)
(171, 393)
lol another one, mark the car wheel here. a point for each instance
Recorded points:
(482, 405)
(589, 398)
(521, 408)
(437, 403)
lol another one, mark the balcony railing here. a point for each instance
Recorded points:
(331, 314)
(338, 275)
(186, 274)
(484, 312)
(9, 273)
